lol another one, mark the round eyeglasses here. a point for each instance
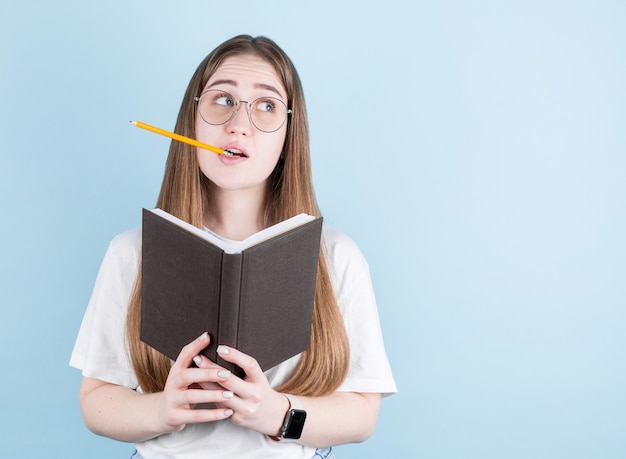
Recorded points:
(267, 114)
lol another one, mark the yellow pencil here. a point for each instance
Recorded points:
(181, 138)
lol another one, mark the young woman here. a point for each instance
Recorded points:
(246, 96)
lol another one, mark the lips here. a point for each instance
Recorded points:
(236, 150)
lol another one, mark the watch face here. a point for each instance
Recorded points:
(294, 426)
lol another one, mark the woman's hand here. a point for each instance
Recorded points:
(124, 414)
(337, 418)
(187, 387)
(254, 404)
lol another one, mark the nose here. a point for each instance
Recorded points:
(240, 121)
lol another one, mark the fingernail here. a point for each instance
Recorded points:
(227, 394)
(223, 374)
(197, 360)
(228, 412)
(222, 350)
(204, 336)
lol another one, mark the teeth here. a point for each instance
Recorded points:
(234, 152)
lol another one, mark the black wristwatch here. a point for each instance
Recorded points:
(294, 421)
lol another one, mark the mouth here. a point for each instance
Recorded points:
(233, 152)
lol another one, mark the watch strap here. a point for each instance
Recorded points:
(294, 404)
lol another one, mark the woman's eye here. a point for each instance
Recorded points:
(225, 100)
(265, 106)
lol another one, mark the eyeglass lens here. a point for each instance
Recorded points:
(216, 107)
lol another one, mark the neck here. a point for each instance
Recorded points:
(235, 214)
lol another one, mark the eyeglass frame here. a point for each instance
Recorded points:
(236, 109)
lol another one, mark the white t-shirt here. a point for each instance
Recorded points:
(101, 353)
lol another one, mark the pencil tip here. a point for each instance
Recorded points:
(133, 122)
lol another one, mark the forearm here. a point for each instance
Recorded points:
(342, 417)
(123, 414)
(119, 412)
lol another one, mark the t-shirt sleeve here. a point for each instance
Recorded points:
(100, 350)
(370, 370)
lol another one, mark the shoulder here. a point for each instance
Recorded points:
(339, 244)
(128, 240)
(124, 249)
(343, 254)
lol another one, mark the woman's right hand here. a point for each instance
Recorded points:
(187, 387)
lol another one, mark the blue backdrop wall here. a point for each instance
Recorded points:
(474, 150)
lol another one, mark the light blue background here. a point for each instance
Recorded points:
(474, 150)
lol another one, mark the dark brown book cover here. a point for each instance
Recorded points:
(259, 300)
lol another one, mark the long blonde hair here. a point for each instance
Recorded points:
(184, 193)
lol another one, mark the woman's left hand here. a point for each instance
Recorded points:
(255, 404)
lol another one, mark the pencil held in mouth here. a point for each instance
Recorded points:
(182, 138)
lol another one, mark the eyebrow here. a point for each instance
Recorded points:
(234, 83)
